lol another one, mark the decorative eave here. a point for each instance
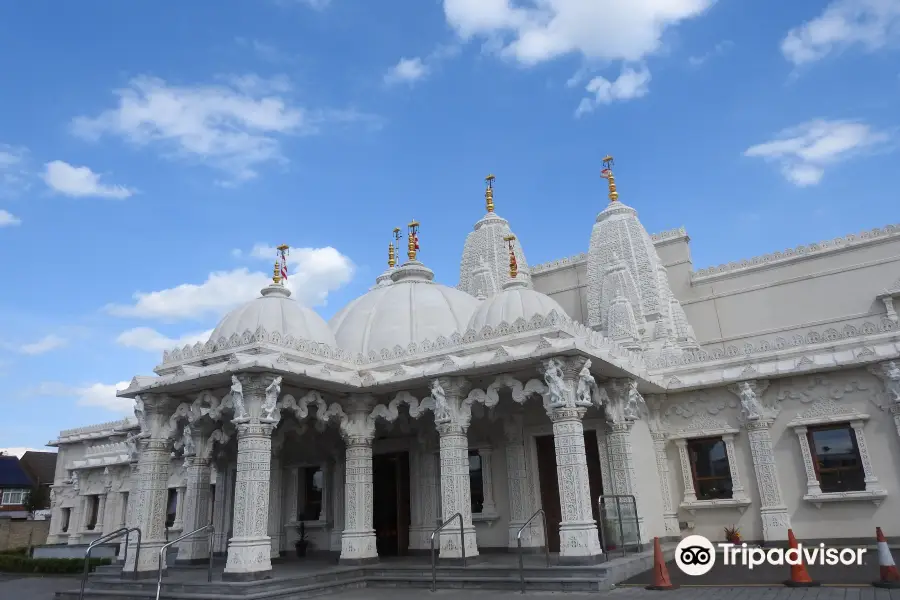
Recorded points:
(826, 356)
(94, 432)
(497, 351)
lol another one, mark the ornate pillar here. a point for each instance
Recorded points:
(358, 431)
(76, 516)
(487, 481)
(337, 526)
(149, 505)
(276, 529)
(127, 510)
(622, 411)
(220, 537)
(579, 541)
(690, 494)
(424, 492)
(101, 511)
(519, 487)
(660, 442)
(178, 523)
(452, 416)
(195, 513)
(249, 549)
(775, 518)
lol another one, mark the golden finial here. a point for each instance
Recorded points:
(413, 240)
(276, 273)
(607, 174)
(489, 193)
(392, 250)
(513, 265)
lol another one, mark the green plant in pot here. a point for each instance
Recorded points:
(302, 542)
(732, 535)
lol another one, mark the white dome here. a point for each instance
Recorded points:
(274, 311)
(407, 312)
(516, 301)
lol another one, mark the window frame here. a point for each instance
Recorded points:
(709, 429)
(858, 468)
(696, 478)
(9, 492)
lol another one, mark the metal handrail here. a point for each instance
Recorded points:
(541, 512)
(637, 522)
(109, 536)
(462, 545)
(162, 553)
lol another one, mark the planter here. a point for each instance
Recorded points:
(301, 547)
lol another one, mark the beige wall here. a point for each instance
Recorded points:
(19, 534)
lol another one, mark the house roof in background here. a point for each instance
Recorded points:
(40, 466)
(12, 474)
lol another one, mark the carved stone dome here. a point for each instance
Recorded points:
(275, 312)
(516, 301)
(411, 310)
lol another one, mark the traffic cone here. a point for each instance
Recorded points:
(890, 577)
(799, 575)
(661, 579)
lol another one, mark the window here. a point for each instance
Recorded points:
(13, 497)
(476, 481)
(836, 458)
(93, 505)
(171, 506)
(66, 514)
(312, 483)
(710, 468)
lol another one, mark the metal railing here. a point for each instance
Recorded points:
(162, 554)
(462, 546)
(637, 524)
(541, 512)
(126, 531)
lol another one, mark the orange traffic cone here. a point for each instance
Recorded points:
(661, 579)
(890, 577)
(799, 576)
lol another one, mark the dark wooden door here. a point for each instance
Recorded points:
(390, 474)
(595, 475)
(546, 458)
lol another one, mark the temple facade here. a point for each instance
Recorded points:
(623, 393)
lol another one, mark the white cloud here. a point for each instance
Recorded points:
(18, 452)
(630, 84)
(231, 128)
(718, 50)
(805, 151)
(80, 182)
(7, 219)
(145, 338)
(872, 24)
(101, 395)
(534, 31)
(313, 274)
(408, 70)
(13, 170)
(43, 345)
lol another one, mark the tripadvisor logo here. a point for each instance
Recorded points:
(695, 555)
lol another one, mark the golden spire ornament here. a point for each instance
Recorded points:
(276, 274)
(607, 174)
(513, 264)
(413, 239)
(392, 250)
(281, 273)
(489, 193)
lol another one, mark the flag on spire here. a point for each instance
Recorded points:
(282, 257)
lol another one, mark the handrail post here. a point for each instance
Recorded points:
(541, 512)
(462, 547)
(105, 538)
(166, 546)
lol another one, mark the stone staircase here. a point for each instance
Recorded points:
(189, 583)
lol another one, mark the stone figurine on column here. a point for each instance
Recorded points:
(150, 494)
(571, 390)
(254, 398)
(757, 418)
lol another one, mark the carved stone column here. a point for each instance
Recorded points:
(101, 511)
(128, 504)
(519, 487)
(488, 507)
(775, 518)
(670, 514)
(358, 431)
(579, 541)
(452, 418)
(249, 549)
(220, 536)
(149, 504)
(621, 414)
(337, 526)
(195, 513)
(276, 529)
(424, 492)
(76, 517)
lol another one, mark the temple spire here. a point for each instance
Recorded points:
(607, 174)
(280, 273)
(513, 265)
(392, 249)
(489, 193)
(413, 239)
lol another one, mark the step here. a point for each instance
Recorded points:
(534, 584)
(585, 572)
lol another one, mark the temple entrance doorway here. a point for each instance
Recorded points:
(547, 479)
(390, 503)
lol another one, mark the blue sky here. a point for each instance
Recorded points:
(152, 153)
